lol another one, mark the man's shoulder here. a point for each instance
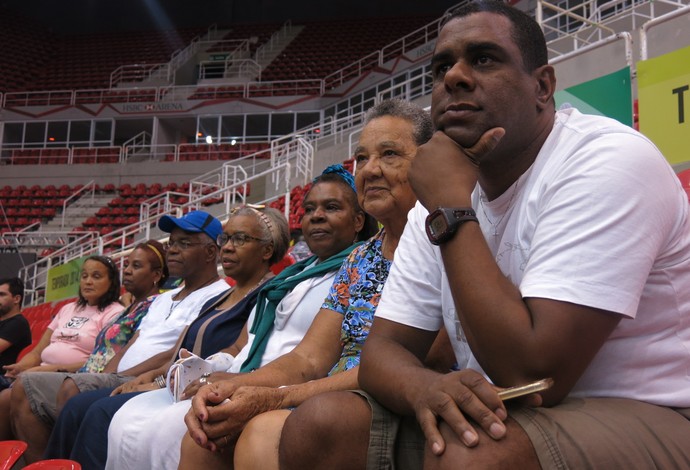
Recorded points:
(16, 320)
(15, 327)
(588, 126)
(598, 143)
(211, 290)
(20, 318)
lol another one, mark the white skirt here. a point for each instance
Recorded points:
(147, 433)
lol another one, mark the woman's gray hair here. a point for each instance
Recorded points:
(395, 107)
(274, 228)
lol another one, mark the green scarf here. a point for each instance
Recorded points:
(274, 291)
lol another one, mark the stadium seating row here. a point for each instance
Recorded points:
(193, 152)
(81, 62)
(296, 211)
(90, 155)
(57, 156)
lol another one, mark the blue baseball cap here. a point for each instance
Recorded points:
(194, 222)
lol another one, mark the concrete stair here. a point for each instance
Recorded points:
(78, 212)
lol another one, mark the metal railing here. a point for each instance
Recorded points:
(43, 239)
(412, 41)
(137, 73)
(655, 22)
(133, 73)
(292, 164)
(253, 89)
(35, 274)
(181, 56)
(140, 143)
(163, 203)
(18, 155)
(299, 153)
(231, 189)
(568, 27)
(274, 42)
(39, 98)
(88, 188)
(242, 68)
(571, 25)
(229, 69)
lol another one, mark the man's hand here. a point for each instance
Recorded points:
(140, 384)
(457, 396)
(12, 370)
(450, 398)
(443, 173)
(226, 421)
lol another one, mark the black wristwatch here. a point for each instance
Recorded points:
(442, 224)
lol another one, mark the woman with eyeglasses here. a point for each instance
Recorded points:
(286, 307)
(70, 336)
(253, 239)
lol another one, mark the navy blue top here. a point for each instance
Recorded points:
(223, 330)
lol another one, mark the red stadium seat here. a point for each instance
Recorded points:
(10, 452)
(684, 177)
(54, 464)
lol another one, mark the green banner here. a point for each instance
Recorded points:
(664, 103)
(63, 280)
(609, 96)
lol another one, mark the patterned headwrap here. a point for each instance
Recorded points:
(342, 172)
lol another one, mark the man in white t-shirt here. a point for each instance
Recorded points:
(550, 245)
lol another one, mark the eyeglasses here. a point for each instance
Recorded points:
(238, 239)
(182, 244)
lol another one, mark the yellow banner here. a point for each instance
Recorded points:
(63, 280)
(664, 103)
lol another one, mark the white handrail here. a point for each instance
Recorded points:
(656, 21)
(90, 186)
(627, 37)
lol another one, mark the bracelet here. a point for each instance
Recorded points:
(203, 380)
(160, 381)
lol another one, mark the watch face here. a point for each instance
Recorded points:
(438, 225)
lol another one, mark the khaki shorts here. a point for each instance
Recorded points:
(42, 388)
(592, 433)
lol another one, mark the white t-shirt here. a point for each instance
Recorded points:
(294, 315)
(162, 326)
(600, 219)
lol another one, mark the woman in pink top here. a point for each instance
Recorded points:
(70, 337)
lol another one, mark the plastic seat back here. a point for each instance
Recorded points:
(54, 464)
(10, 451)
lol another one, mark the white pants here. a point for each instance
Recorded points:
(147, 433)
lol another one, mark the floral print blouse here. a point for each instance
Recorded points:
(355, 294)
(115, 335)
